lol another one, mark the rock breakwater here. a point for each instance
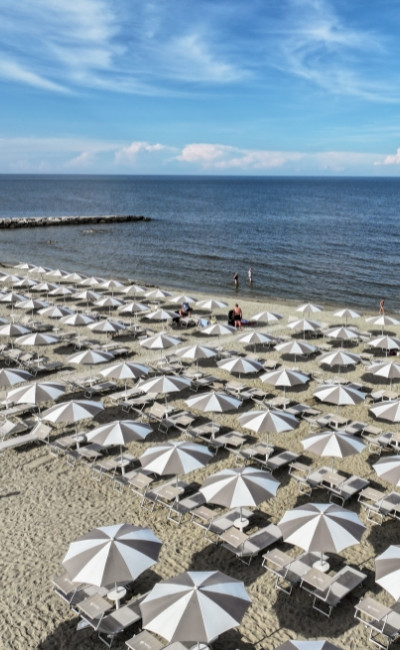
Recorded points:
(43, 222)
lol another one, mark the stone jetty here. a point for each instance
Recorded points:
(43, 222)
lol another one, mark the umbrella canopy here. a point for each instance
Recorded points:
(11, 376)
(13, 329)
(119, 432)
(39, 391)
(37, 338)
(111, 554)
(165, 384)
(304, 325)
(112, 285)
(161, 314)
(254, 338)
(339, 394)
(268, 421)
(175, 457)
(160, 341)
(32, 304)
(239, 486)
(266, 317)
(87, 294)
(389, 410)
(296, 348)
(389, 370)
(72, 411)
(347, 313)
(214, 402)
(133, 289)
(196, 352)
(158, 294)
(125, 370)
(133, 308)
(388, 469)
(309, 308)
(219, 329)
(387, 570)
(343, 333)
(56, 311)
(285, 378)
(77, 319)
(106, 326)
(242, 365)
(386, 343)
(194, 606)
(339, 358)
(91, 357)
(308, 645)
(92, 282)
(109, 301)
(323, 527)
(183, 298)
(383, 320)
(337, 444)
(211, 304)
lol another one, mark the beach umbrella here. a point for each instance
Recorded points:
(111, 554)
(296, 348)
(90, 358)
(165, 384)
(56, 273)
(386, 343)
(40, 391)
(12, 298)
(72, 411)
(305, 325)
(210, 304)
(88, 295)
(77, 319)
(119, 432)
(266, 317)
(11, 376)
(160, 341)
(257, 338)
(308, 645)
(112, 285)
(24, 266)
(158, 294)
(347, 313)
(219, 329)
(239, 486)
(92, 282)
(268, 421)
(133, 289)
(73, 277)
(389, 370)
(40, 270)
(56, 311)
(25, 282)
(13, 329)
(383, 320)
(387, 570)
(388, 469)
(322, 527)
(339, 358)
(214, 402)
(110, 302)
(107, 326)
(33, 304)
(36, 339)
(44, 287)
(62, 291)
(309, 308)
(336, 444)
(339, 394)
(285, 378)
(343, 333)
(196, 352)
(195, 606)
(183, 298)
(133, 308)
(387, 410)
(241, 365)
(176, 458)
(161, 314)
(125, 370)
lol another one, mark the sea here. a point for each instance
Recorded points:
(330, 240)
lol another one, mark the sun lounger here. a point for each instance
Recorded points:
(11, 427)
(382, 621)
(73, 592)
(160, 413)
(289, 570)
(257, 452)
(328, 591)
(349, 488)
(255, 543)
(144, 641)
(181, 507)
(39, 433)
(280, 460)
(221, 523)
(119, 620)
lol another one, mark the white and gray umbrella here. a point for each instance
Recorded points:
(339, 394)
(133, 308)
(308, 645)
(13, 329)
(158, 294)
(88, 295)
(387, 570)
(336, 444)
(165, 384)
(339, 358)
(57, 273)
(90, 358)
(266, 317)
(32, 304)
(40, 391)
(388, 469)
(214, 402)
(25, 282)
(268, 421)
(56, 311)
(296, 348)
(386, 343)
(77, 319)
(323, 527)
(111, 554)
(107, 326)
(72, 411)
(160, 341)
(12, 376)
(175, 458)
(119, 432)
(388, 410)
(285, 378)
(112, 285)
(304, 325)
(161, 315)
(219, 329)
(343, 333)
(309, 308)
(177, 300)
(388, 370)
(241, 365)
(126, 370)
(196, 352)
(210, 304)
(92, 281)
(133, 289)
(239, 486)
(110, 302)
(195, 606)
(36, 339)
(347, 313)
(383, 320)
(257, 338)
(73, 277)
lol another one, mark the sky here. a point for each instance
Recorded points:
(215, 87)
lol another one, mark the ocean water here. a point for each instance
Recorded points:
(334, 240)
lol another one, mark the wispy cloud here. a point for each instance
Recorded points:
(393, 159)
(220, 157)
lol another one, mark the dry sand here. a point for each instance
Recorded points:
(45, 504)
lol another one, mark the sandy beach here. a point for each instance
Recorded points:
(45, 503)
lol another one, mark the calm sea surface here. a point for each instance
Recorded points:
(333, 240)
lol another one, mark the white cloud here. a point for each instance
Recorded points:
(13, 71)
(390, 160)
(129, 154)
(216, 156)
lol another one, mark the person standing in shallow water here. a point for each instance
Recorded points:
(236, 280)
(250, 275)
(382, 306)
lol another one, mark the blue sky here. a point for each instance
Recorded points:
(253, 87)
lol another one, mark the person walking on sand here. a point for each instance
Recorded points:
(250, 274)
(237, 316)
(236, 280)
(382, 306)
